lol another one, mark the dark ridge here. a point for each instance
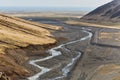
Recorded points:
(101, 9)
(116, 15)
(106, 12)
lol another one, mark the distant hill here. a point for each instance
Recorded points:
(107, 12)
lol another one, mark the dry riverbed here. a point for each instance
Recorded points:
(95, 63)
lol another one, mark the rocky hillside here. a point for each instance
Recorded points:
(16, 32)
(107, 12)
(19, 39)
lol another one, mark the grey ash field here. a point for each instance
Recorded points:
(100, 54)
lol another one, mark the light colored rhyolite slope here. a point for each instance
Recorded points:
(15, 32)
(30, 23)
